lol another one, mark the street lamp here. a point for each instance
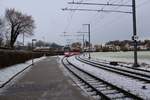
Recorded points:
(89, 34)
(33, 40)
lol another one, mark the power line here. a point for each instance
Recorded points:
(118, 18)
(108, 1)
(121, 16)
(101, 10)
(101, 17)
(70, 21)
(134, 38)
(100, 4)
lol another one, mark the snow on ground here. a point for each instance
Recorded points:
(118, 66)
(8, 72)
(129, 84)
(124, 58)
(60, 57)
(143, 56)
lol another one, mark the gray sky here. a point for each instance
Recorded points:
(51, 21)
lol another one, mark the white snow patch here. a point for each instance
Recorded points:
(8, 72)
(125, 57)
(121, 81)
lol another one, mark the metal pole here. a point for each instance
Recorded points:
(134, 33)
(23, 39)
(89, 31)
(89, 35)
(83, 43)
(32, 52)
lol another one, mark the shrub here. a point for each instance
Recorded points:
(11, 57)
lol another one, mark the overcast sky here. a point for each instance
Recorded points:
(51, 21)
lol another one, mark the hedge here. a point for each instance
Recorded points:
(11, 57)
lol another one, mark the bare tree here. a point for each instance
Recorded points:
(1, 32)
(4, 32)
(19, 23)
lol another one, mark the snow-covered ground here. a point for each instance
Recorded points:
(124, 68)
(8, 72)
(128, 84)
(125, 58)
(143, 56)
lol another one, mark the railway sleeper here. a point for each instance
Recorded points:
(111, 96)
(97, 97)
(121, 70)
(101, 86)
(86, 86)
(116, 95)
(89, 90)
(96, 85)
(110, 92)
(91, 80)
(128, 74)
(123, 98)
(93, 93)
(104, 89)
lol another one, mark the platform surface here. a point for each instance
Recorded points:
(44, 81)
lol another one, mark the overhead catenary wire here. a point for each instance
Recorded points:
(108, 1)
(69, 22)
(100, 13)
(101, 10)
(120, 11)
(71, 17)
(95, 18)
(114, 20)
(101, 19)
(118, 18)
(101, 4)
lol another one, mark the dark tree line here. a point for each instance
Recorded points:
(43, 44)
(1, 34)
(120, 43)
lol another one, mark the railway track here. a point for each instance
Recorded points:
(137, 75)
(100, 87)
(121, 65)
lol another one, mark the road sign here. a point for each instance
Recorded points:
(135, 37)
